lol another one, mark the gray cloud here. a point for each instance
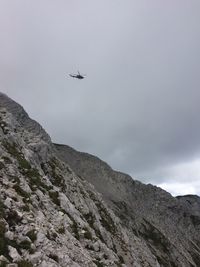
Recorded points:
(138, 106)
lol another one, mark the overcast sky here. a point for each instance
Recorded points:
(138, 107)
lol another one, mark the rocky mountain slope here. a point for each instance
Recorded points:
(169, 226)
(60, 207)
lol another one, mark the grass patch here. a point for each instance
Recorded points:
(35, 181)
(57, 179)
(74, 227)
(21, 192)
(54, 195)
(25, 244)
(12, 218)
(2, 228)
(25, 167)
(2, 209)
(3, 243)
(32, 234)
(90, 218)
(24, 164)
(24, 263)
(33, 173)
(3, 264)
(12, 149)
(106, 219)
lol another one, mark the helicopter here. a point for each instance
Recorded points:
(77, 76)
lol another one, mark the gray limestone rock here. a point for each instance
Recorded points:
(13, 253)
(60, 207)
(169, 227)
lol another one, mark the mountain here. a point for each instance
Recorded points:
(61, 207)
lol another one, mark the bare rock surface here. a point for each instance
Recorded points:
(168, 226)
(60, 207)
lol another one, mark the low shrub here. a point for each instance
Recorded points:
(24, 263)
(32, 234)
(20, 191)
(54, 195)
(25, 244)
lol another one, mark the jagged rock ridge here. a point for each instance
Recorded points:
(60, 207)
(169, 226)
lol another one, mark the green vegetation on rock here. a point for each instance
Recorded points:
(54, 195)
(24, 263)
(32, 234)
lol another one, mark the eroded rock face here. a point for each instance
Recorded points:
(59, 207)
(49, 215)
(168, 226)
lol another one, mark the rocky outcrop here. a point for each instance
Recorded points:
(170, 227)
(22, 117)
(60, 207)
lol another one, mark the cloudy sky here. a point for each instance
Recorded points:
(138, 107)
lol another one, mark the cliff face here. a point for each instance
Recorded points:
(60, 207)
(169, 227)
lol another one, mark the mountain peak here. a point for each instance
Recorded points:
(22, 117)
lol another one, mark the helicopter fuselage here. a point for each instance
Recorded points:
(78, 76)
